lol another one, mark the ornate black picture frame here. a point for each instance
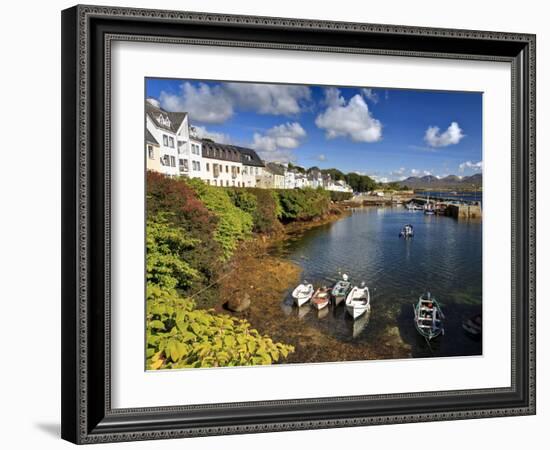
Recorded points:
(87, 34)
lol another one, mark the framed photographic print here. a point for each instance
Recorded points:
(281, 224)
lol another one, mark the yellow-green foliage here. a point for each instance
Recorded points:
(166, 246)
(234, 224)
(303, 204)
(180, 336)
(262, 204)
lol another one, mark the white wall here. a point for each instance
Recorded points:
(30, 225)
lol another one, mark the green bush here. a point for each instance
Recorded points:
(177, 203)
(340, 196)
(177, 334)
(167, 246)
(303, 204)
(262, 204)
(233, 225)
(243, 199)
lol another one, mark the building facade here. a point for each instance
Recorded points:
(222, 164)
(173, 148)
(277, 173)
(253, 167)
(152, 152)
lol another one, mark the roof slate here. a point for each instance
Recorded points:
(176, 118)
(149, 138)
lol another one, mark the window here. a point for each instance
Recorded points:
(233, 182)
(215, 182)
(208, 182)
(198, 165)
(226, 169)
(150, 152)
(245, 170)
(165, 140)
(171, 140)
(172, 161)
(207, 167)
(227, 182)
(238, 170)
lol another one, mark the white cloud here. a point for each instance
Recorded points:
(380, 179)
(322, 157)
(434, 137)
(276, 144)
(202, 102)
(369, 94)
(399, 171)
(276, 99)
(415, 172)
(353, 120)
(221, 138)
(469, 165)
(217, 103)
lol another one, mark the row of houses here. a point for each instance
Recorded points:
(173, 148)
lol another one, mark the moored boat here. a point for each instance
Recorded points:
(302, 293)
(412, 206)
(428, 317)
(321, 298)
(407, 231)
(340, 290)
(358, 301)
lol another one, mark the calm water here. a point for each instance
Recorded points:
(444, 257)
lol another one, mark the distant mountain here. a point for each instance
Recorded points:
(429, 182)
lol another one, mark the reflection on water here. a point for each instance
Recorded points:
(444, 257)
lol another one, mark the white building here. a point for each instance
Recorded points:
(222, 164)
(315, 179)
(300, 181)
(253, 167)
(172, 147)
(338, 186)
(277, 173)
(290, 179)
(180, 153)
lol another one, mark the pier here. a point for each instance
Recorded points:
(451, 206)
(445, 206)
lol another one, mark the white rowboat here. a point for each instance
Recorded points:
(302, 294)
(358, 301)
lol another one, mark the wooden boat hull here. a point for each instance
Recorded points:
(340, 291)
(301, 301)
(358, 302)
(428, 326)
(321, 298)
(302, 294)
(355, 312)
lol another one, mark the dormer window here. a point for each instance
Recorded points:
(164, 120)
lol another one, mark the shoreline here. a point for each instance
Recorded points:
(261, 281)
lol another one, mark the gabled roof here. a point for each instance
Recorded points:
(275, 168)
(249, 157)
(149, 138)
(154, 112)
(211, 149)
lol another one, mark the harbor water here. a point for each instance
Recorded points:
(444, 257)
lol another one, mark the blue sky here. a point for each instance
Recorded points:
(389, 134)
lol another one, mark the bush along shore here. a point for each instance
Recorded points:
(197, 236)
